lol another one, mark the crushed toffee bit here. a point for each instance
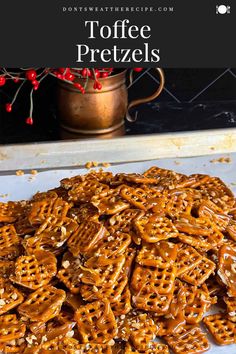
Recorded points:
(20, 173)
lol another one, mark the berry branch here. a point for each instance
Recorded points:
(36, 75)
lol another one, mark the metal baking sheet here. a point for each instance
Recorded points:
(14, 187)
(126, 149)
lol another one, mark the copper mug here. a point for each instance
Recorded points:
(99, 112)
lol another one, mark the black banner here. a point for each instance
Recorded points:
(116, 33)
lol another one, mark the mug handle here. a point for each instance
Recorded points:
(146, 99)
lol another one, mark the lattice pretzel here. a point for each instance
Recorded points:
(213, 212)
(155, 228)
(85, 212)
(10, 296)
(35, 270)
(9, 242)
(189, 340)
(216, 191)
(155, 255)
(153, 288)
(86, 237)
(102, 271)
(227, 268)
(112, 293)
(231, 307)
(96, 322)
(123, 221)
(199, 274)
(198, 232)
(122, 305)
(221, 328)
(187, 259)
(154, 348)
(70, 272)
(112, 245)
(84, 191)
(45, 208)
(51, 235)
(135, 196)
(10, 328)
(10, 211)
(198, 302)
(158, 280)
(43, 304)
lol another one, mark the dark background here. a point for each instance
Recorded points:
(193, 99)
(38, 33)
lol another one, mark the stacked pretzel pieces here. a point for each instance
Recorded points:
(119, 263)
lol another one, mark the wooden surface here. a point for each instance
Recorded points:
(126, 149)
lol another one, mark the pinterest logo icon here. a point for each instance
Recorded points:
(222, 9)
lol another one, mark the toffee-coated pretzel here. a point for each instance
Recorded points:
(10, 297)
(42, 209)
(155, 228)
(86, 237)
(110, 204)
(187, 259)
(102, 271)
(210, 210)
(215, 190)
(227, 268)
(154, 348)
(96, 322)
(123, 221)
(157, 254)
(221, 328)
(10, 328)
(198, 301)
(122, 305)
(199, 232)
(10, 211)
(84, 191)
(51, 235)
(9, 242)
(179, 201)
(189, 340)
(43, 304)
(70, 273)
(199, 274)
(231, 307)
(36, 270)
(159, 280)
(140, 256)
(84, 212)
(112, 245)
(135, 196)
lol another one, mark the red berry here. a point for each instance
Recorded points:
(138, 70)
(97, 73)
(62, 70)
(8, 107)
(29, 121)
(85, 72)
(105, 74)
(59, 76)
(69, 76)
(31, 75)
(16, 80)
(99, 86)
(2, 80)
(77, 85)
